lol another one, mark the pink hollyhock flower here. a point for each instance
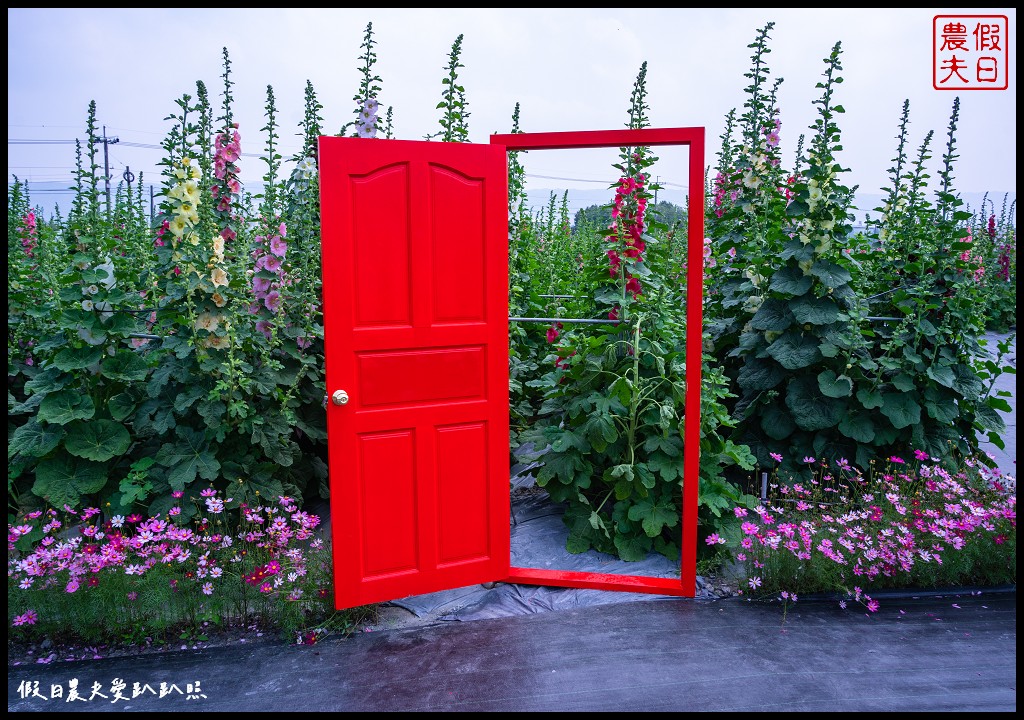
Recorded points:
(261, 285)
(272, 301)
(278, 246)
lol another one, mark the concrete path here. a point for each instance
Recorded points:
(937, 653)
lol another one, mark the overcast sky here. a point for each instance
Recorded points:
(569, 70)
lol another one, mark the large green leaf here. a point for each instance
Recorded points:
(903, 382)
(63, 479)
(125, 366)
(77, 358)
(794, 351)
(944, 411)
(121, 405)
(816, 311)
(901, 409)
(870, 398)
(967, 381)
(942, 374)
(49, 380)
(34, 439)
(653, 517)
(97, 439)
(790, 281)
(64, 406)
(776, 422)
(858, 426)
(831, 274)
(989, 418)
(772, 315)
(811, 410)
(833, 386)
(632, 548)
(758, 374)
(187, 457)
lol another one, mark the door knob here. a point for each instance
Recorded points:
(339, 397)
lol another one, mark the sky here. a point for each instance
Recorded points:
(569, 69)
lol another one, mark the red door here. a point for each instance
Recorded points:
(415, 291)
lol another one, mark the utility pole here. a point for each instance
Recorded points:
(657, 178)
(106, 160)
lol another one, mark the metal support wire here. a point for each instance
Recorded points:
(581, 321)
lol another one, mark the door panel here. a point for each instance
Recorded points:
(415, 263)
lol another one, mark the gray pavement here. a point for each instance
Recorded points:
(938, 652)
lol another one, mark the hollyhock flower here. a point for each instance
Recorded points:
(265, 327)
(272, 301)
(303, 342)
(261, 285)
(218, 277)
(278, 246)
(269, 262)
(777, 457)
(552, 334)
(633, 287)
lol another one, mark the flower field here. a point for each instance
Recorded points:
(166, 398)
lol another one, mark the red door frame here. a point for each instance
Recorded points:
(336, 206)
(692, 137)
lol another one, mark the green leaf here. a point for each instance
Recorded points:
(653, 517)
(858, 426)
(790, 281)
(772, 315)
(125, 366)
(121, 405)
(903, 382)
(98, 440)
(870, 398)
(758, 374)
(77, 358)
(63, 407)
(830, 274)
(816, 311)
(632, 548)
(812, 411)
(942, 374)
(776, 422)
(794, 351)
(49, 380)
(901, 409)
(34, 439)
(944, 412)
(668, 467)
(989, 418)
(187, 458)
(967, 381)
(797, 207)
(577, 544)
(63, 479)
(833, 386)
